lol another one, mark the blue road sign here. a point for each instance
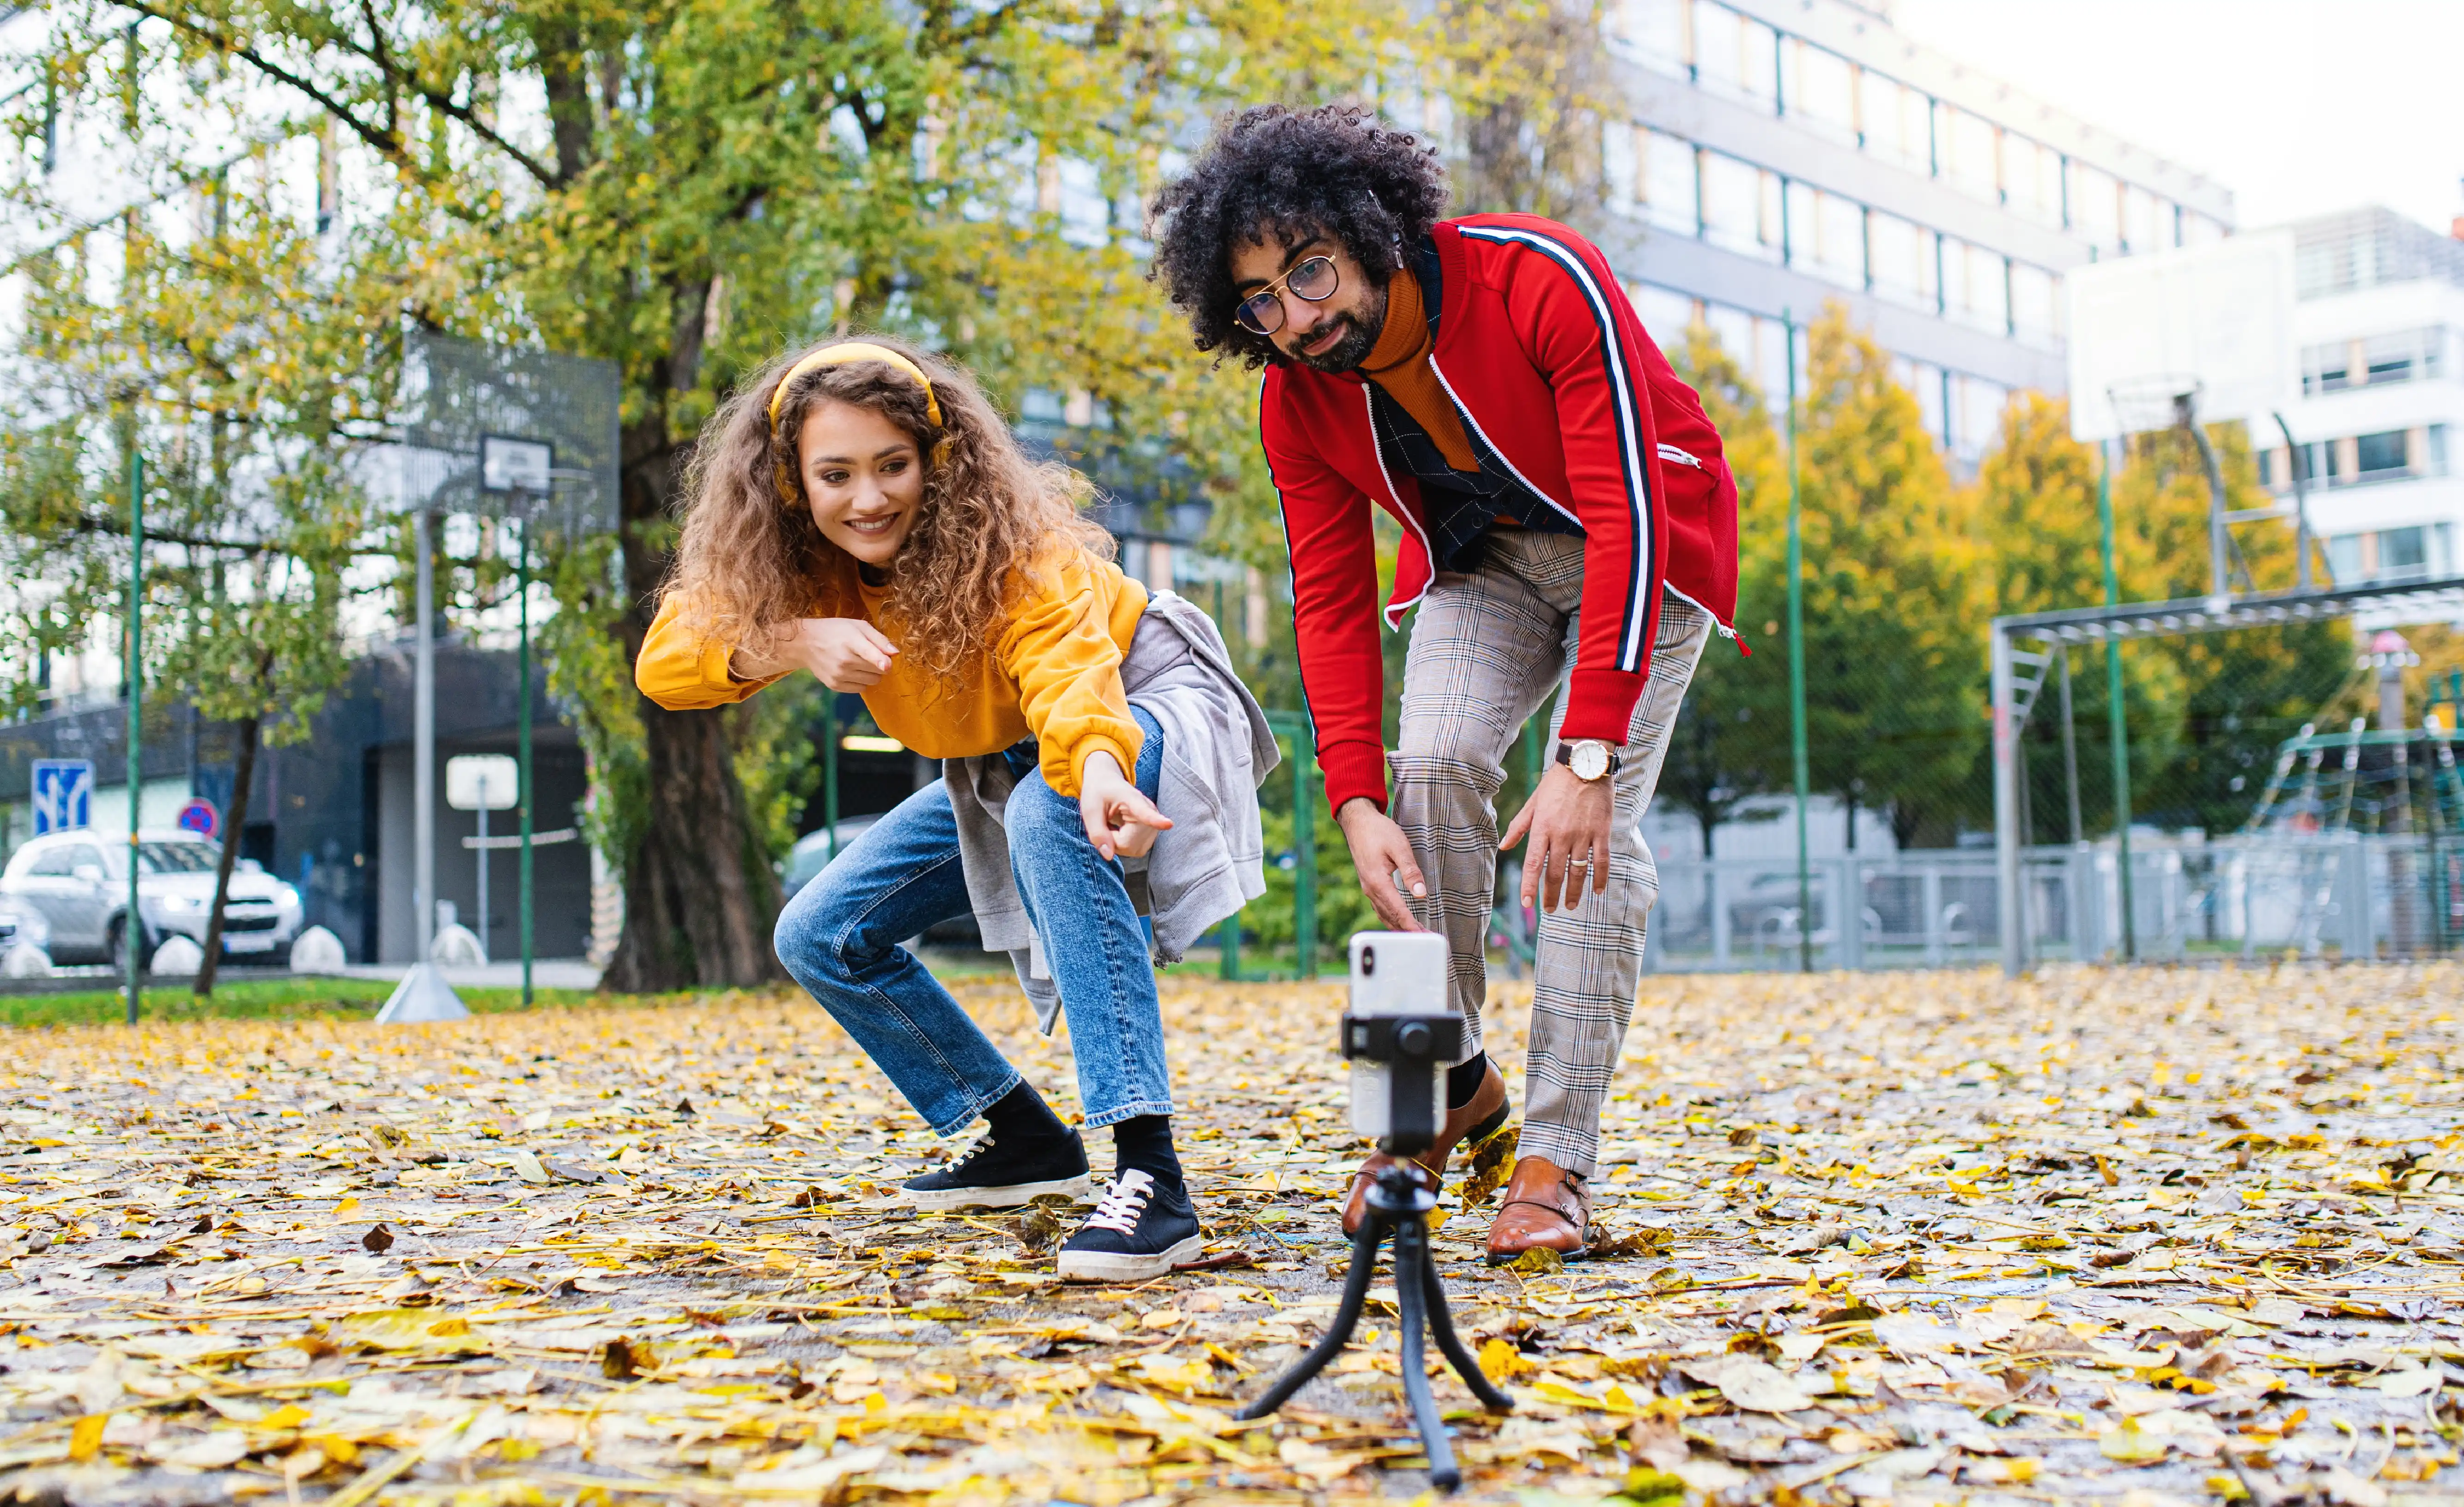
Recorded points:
(63, 795)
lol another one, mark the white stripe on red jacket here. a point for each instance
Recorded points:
(1549, 363)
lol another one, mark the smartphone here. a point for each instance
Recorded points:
(1395, 973)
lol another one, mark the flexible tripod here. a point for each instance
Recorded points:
(1399, 1203)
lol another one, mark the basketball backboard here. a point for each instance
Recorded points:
(2215, 321)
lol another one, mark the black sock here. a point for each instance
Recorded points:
(1020, 1118)
(1145, 1141)
(1464, 1079)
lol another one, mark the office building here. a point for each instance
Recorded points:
(1778, 155)
(2380, 305)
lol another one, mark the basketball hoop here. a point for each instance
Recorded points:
(2152, 405)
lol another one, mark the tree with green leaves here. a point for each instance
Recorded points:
(1894, 610)
(682, 188)
(2204, 711)
(237, 361)
(1719, 758)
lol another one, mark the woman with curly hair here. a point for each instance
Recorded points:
(860, 511)
(1570, 529)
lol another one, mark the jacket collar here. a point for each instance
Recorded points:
(1456, 276)
(1452, 298)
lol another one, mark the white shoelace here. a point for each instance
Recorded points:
(1123, 1202)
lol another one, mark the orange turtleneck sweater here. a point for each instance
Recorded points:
(1399, 364)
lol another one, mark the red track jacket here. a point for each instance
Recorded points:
(1549, 363)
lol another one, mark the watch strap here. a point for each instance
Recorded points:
(1566, 756)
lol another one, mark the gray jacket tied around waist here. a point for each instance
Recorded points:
(1216, 751)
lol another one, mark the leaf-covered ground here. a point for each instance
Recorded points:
(2145, 1236)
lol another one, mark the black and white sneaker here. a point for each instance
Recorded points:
(992, 1176)
(1132, 1235)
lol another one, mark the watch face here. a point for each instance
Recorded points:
(1591, 760)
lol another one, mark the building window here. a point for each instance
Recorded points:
(2032, 179)
(2327, 368)
(1741, 208)
(1931, 384)
(2145, 222)
(1892, 122)
(1656, 28)
(2437, 466)
(1666, 316)
(2344, 559)
(1969, 152)
(2036, 304)
(1901, 260)
(2095, 207)
(2378, 454)
(1976, 286)
(1818, 88)
(2402, 553)
(1735, 54)
(1665, 182)
(2380, 361)
(1826, 235)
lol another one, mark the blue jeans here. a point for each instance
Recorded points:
(839, 936)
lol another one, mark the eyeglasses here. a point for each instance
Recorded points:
(1261, 313)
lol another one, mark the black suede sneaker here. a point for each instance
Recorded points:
(1133, 1235)
(992, 1176)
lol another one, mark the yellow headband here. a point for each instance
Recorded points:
(856, 351)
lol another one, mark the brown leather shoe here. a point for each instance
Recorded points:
(1545, 1206)
(1476, 1122)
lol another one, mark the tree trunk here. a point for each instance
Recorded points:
(235, 824)
(699, 897)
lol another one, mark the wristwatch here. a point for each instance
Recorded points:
(1590, 758)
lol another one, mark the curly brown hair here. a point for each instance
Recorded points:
(1270, 170)
(752, 561)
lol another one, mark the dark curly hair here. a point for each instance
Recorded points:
(1293, 175)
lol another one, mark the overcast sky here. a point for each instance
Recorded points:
(2299, 107)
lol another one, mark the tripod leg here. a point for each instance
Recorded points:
(1411, 1292)
(1450, 1345)
(1338, 1329)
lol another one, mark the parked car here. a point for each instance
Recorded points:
(20, 922)
(79, 883)
(812, 851)
(811, 854)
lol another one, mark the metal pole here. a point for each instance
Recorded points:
(2070, 750)
(133, 931)
(485, 794)
(422, 748)
(2301, 468)
(831, 771)
(2006, 811)
(2119, 732)
(2220, 541)
(1305, 853)
(1796, 665)
(523, 798)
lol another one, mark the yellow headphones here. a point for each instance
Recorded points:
(840, 354)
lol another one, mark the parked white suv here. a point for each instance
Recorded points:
(79, 881)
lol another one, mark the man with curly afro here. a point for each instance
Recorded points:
(1570, 526)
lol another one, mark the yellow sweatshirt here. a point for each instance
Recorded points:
(1054, 672)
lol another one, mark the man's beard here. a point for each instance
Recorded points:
(1359, 338)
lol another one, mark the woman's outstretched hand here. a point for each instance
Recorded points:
(1121, 821)
(842, 653)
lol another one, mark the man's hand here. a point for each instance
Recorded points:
(1568, 822)
(1121, 821)
(1380, 855)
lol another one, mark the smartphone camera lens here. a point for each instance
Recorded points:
(1368, 961)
